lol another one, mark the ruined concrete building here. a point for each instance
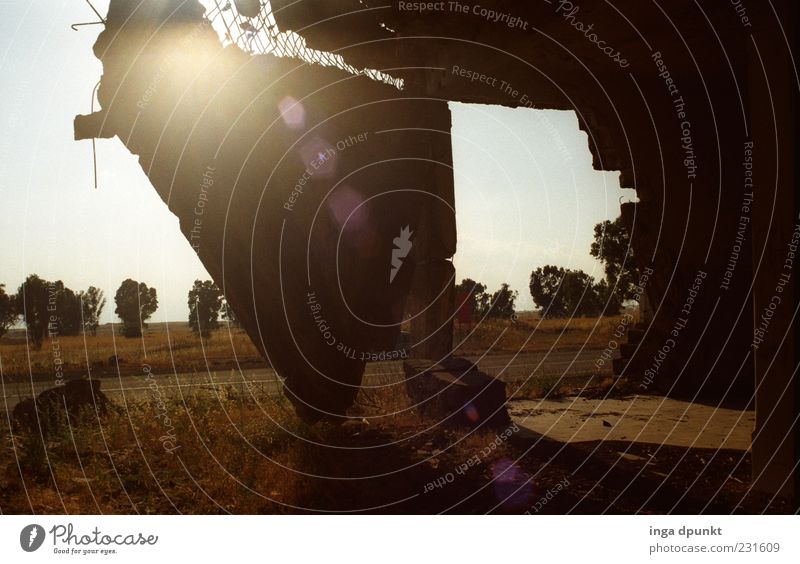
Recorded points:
(319, 195)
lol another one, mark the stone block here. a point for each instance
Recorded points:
(455, 391)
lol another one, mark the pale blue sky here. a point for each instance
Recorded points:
(526, 194)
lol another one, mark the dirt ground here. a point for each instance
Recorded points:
(242, 450)
(251, 455)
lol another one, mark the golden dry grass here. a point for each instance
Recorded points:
(243, 450)
(250, 454)
(174, 348)
(531, 334)
(164, 350)
(238, 454)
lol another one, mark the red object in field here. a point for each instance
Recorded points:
(466, 307)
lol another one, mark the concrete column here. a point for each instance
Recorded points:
(432, 304)
(773, 92)
(432, 299)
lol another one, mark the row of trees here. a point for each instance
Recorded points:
(476, 303)
(562, 292)
(136, 303)
(51, 309)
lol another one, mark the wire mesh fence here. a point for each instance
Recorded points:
(259, 34)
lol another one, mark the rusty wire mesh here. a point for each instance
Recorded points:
(260, 35)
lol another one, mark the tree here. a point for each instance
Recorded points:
(135, 304)
(612, 247)
(32, 303)
(92, 303)
(8, 311)
(563, 292)
(609, 299)
(205, 302)
(471, 299)
(501, 303)
(67, 309)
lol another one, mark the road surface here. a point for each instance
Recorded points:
(507, 367)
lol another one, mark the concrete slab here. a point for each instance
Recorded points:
(644, 419)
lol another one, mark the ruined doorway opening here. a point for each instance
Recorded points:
(527, 196)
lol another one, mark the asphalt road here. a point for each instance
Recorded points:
(507, 367)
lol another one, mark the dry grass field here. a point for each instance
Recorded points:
(530, 333)
(217, 450)
(167, 348)
(241, 449)
(224, 452)
(173, 348)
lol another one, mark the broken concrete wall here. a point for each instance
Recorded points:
(290, 181)
(668, 108)
(696, 86)
(673, 124)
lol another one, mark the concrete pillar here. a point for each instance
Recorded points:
(432, 300)
(432, 304)
(775, 221)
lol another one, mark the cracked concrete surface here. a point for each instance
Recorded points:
(643, 419)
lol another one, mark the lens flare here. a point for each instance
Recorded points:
(512, 486)
(292, 112)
